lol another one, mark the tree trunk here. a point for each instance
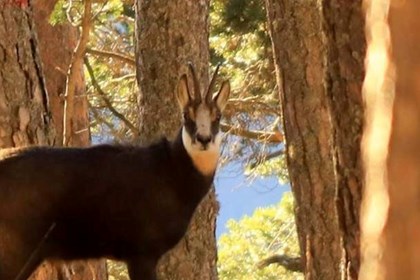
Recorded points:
(319, 49)
(24, 104)
(397, 226)
(170, 33)
(56, 46)
(24, 113)
(401, 232)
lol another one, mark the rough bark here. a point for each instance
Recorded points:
(401, 232)
(56, 46)
(169, 34)
(24, 114)
(318, 50)
(24, 103)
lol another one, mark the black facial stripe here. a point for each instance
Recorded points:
(215, 125)
(214, 128)
(190, 127)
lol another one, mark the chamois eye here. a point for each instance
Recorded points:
(218, 116)
(185, 115)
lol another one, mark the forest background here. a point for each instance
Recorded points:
(336, 79)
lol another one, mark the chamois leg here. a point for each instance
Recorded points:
(142, 269)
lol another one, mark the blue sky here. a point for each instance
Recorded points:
(239, 196)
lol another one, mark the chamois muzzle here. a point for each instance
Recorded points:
(204, 141)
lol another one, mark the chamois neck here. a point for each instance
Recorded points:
(205, 161)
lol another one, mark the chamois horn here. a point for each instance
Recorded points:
(197, 91)
(211, 85)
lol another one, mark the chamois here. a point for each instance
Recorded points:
(126, 203)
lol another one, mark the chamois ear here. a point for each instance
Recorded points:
(222, 96)
(182, 92)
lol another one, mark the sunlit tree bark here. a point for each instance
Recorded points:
(319, 48)
(24, 111)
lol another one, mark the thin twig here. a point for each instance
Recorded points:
(76, 67)
(107, 102)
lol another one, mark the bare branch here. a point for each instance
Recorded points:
(76, 67)
(265, 158)
(263, 136)
(124, 58)
(107, 102)
(289, 263)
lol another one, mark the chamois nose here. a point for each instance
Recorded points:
(204, 140)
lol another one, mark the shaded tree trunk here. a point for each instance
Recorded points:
(319, 48)
(170, 33)
(392, 200)
(24, 103)
(402, 230)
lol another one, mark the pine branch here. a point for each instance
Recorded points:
(264, 136)
(119, 56)
(107, 102)
(289, 263)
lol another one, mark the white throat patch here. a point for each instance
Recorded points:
(204, 160)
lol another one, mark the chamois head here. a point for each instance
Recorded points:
(201, 118)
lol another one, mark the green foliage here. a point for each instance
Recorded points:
(268, 231)
(58, 15)
(239, 38)
(244, 16)
(73, 10)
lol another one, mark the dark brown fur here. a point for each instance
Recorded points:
(128, 203)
